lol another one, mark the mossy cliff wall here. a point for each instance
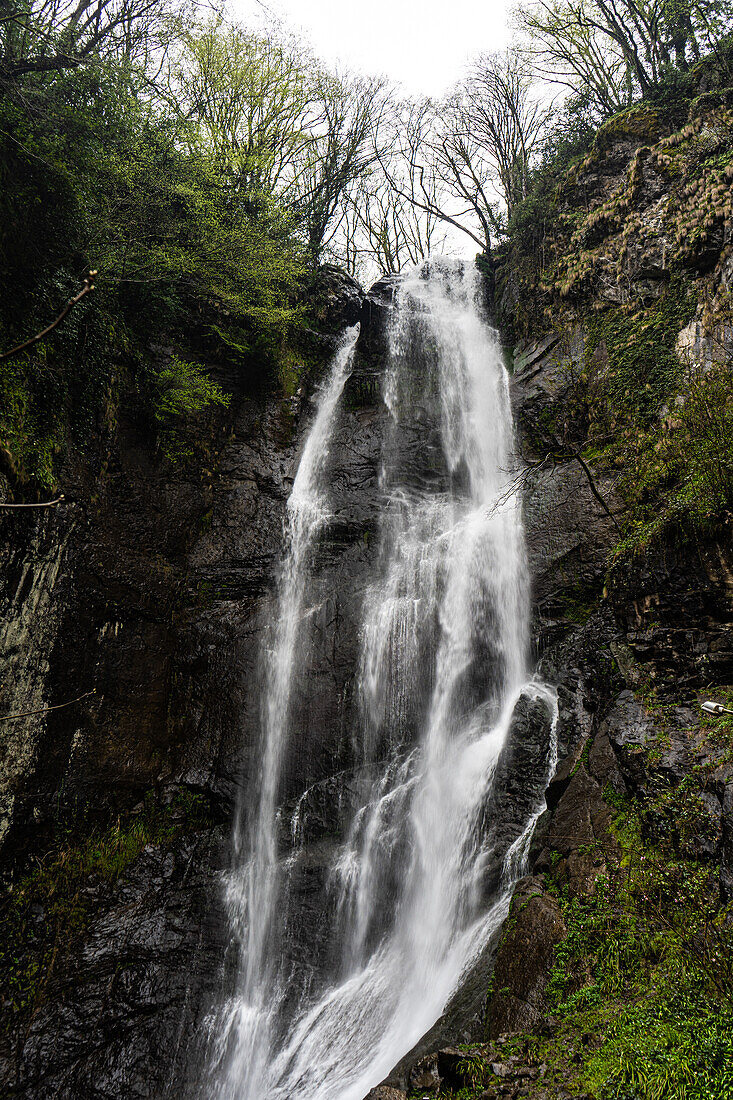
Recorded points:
(612, 979)
(142, 596)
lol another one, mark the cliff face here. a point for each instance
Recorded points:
(609, 970)
(144, 592)
(150, 587)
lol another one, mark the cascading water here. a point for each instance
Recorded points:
(424, 872)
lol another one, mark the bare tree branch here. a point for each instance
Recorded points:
(87, 288)
(45, 710)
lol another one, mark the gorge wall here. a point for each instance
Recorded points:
(608, 973)
(151, 587)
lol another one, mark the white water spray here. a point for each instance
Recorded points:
(425, 874)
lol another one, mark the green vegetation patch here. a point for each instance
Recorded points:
(640, 347)
(51, 905)
(679, 469)
(643, 982)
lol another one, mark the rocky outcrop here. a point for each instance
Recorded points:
(524, 961)
(119, 1013)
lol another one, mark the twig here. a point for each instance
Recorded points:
(43, 503)
(521, 480)
(86, 289)
(45, 710)
(578, 458)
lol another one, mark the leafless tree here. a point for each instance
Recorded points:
(498, 110)
(337, 155)
(609, 51)
(470, 157)
(46, 36)
(383, 221)
(420, 169)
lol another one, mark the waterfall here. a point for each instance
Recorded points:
(423, 872)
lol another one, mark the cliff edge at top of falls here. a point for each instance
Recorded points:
(609, 979)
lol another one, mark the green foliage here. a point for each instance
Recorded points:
(640, 349)
(99, 174)
(185, 389)
(52, 903)
(473, 1069)
(683, 463)
(182, 390)
(646, 970)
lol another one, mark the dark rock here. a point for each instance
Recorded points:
(373, 345)
(675, 609)
(524, 959)
(602, 763)
(424, 1076)
(630, 732)
(519, 783)
(579, 831)
(336, 300)
(564, 774)
(126, 1000)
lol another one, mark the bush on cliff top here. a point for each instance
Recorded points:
(94, 175)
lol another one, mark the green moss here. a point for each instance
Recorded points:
(290, 371)
(679, 470)
(640, 121)
(642, 363)
(50, 906)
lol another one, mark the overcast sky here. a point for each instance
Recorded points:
(423, 44)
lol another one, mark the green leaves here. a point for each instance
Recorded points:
(184, 389)
(103, 173)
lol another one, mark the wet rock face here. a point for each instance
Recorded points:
(157, 606)
(152, 587)
(673, 605)
(567, 531)
(137, 607)
(523, 965)
(121, 1014)
(33, 552)
(386, 1092)
(519, 782)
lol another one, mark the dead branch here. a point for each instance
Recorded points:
(45, 710)
(87, 288)
(42, 504)
(520, 481)
(579, 458)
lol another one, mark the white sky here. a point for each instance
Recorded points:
(423, 44)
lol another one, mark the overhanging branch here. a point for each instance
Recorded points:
(87, 288)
